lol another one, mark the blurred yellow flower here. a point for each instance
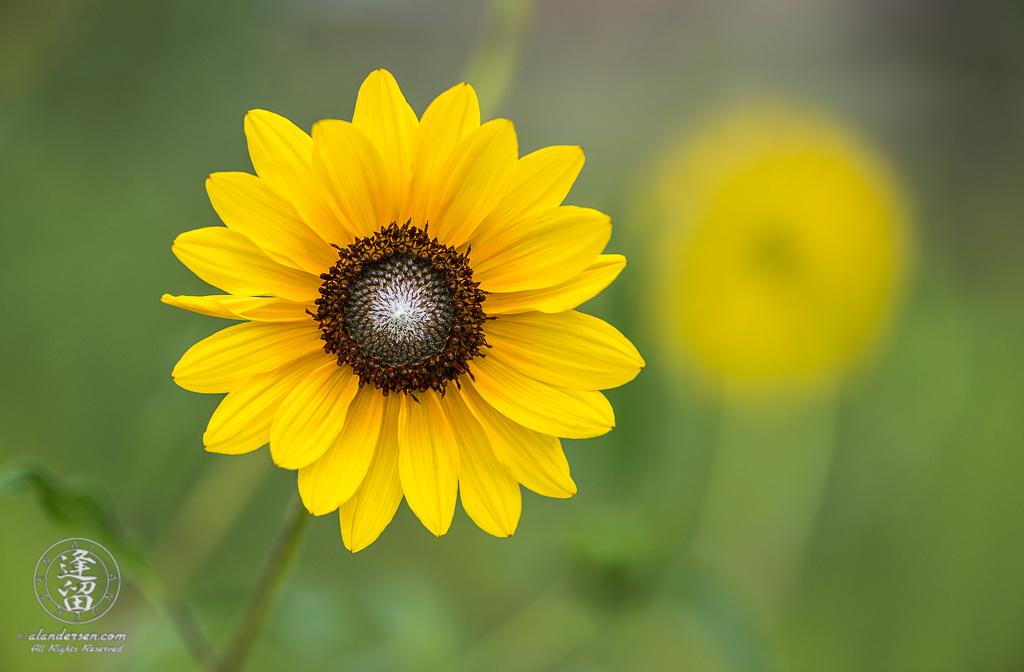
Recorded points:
(784, 249)
(418, 257)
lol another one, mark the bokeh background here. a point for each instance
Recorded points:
(876, 526)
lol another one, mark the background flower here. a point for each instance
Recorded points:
(784, 248)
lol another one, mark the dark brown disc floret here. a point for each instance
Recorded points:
(402, 310)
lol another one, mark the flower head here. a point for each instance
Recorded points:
(406, 290)
(784, 252)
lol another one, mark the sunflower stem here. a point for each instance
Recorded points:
(262, 596)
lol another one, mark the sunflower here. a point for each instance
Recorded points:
(784, 251)
(406, 290)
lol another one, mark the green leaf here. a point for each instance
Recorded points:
(74, 502)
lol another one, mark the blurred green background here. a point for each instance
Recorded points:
(908, 553)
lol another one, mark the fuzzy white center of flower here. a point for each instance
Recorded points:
(399, 311)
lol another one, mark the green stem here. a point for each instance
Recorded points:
(260, 600)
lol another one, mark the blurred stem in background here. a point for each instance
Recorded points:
(206, 514)
(556, 623)
(493, 65)
(767, 484)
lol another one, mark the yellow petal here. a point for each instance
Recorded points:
(282, 154)
(563, 296)
(489, 494)
(567, 349)
(544, 408)
(312, 415)
(256, 308)
(334, 477)
(220, 305)
(384, 116)
(473, 180)
(541, 181)
(242, 421)
(544, 250)
(232, 262)
(221, 361)
(428, 461)
(350, 170)
(365, 515)
(452, 116)
(536, 460)
(276, 310)
(247, 205)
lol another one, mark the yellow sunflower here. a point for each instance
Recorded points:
(406, 289)
(784, 250)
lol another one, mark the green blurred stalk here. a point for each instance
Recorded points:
(554, 624)
(207, 514)
(493, 64)
(767, 483)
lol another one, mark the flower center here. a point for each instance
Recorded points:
(399, 311)
(775, 253)
(402, 310)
